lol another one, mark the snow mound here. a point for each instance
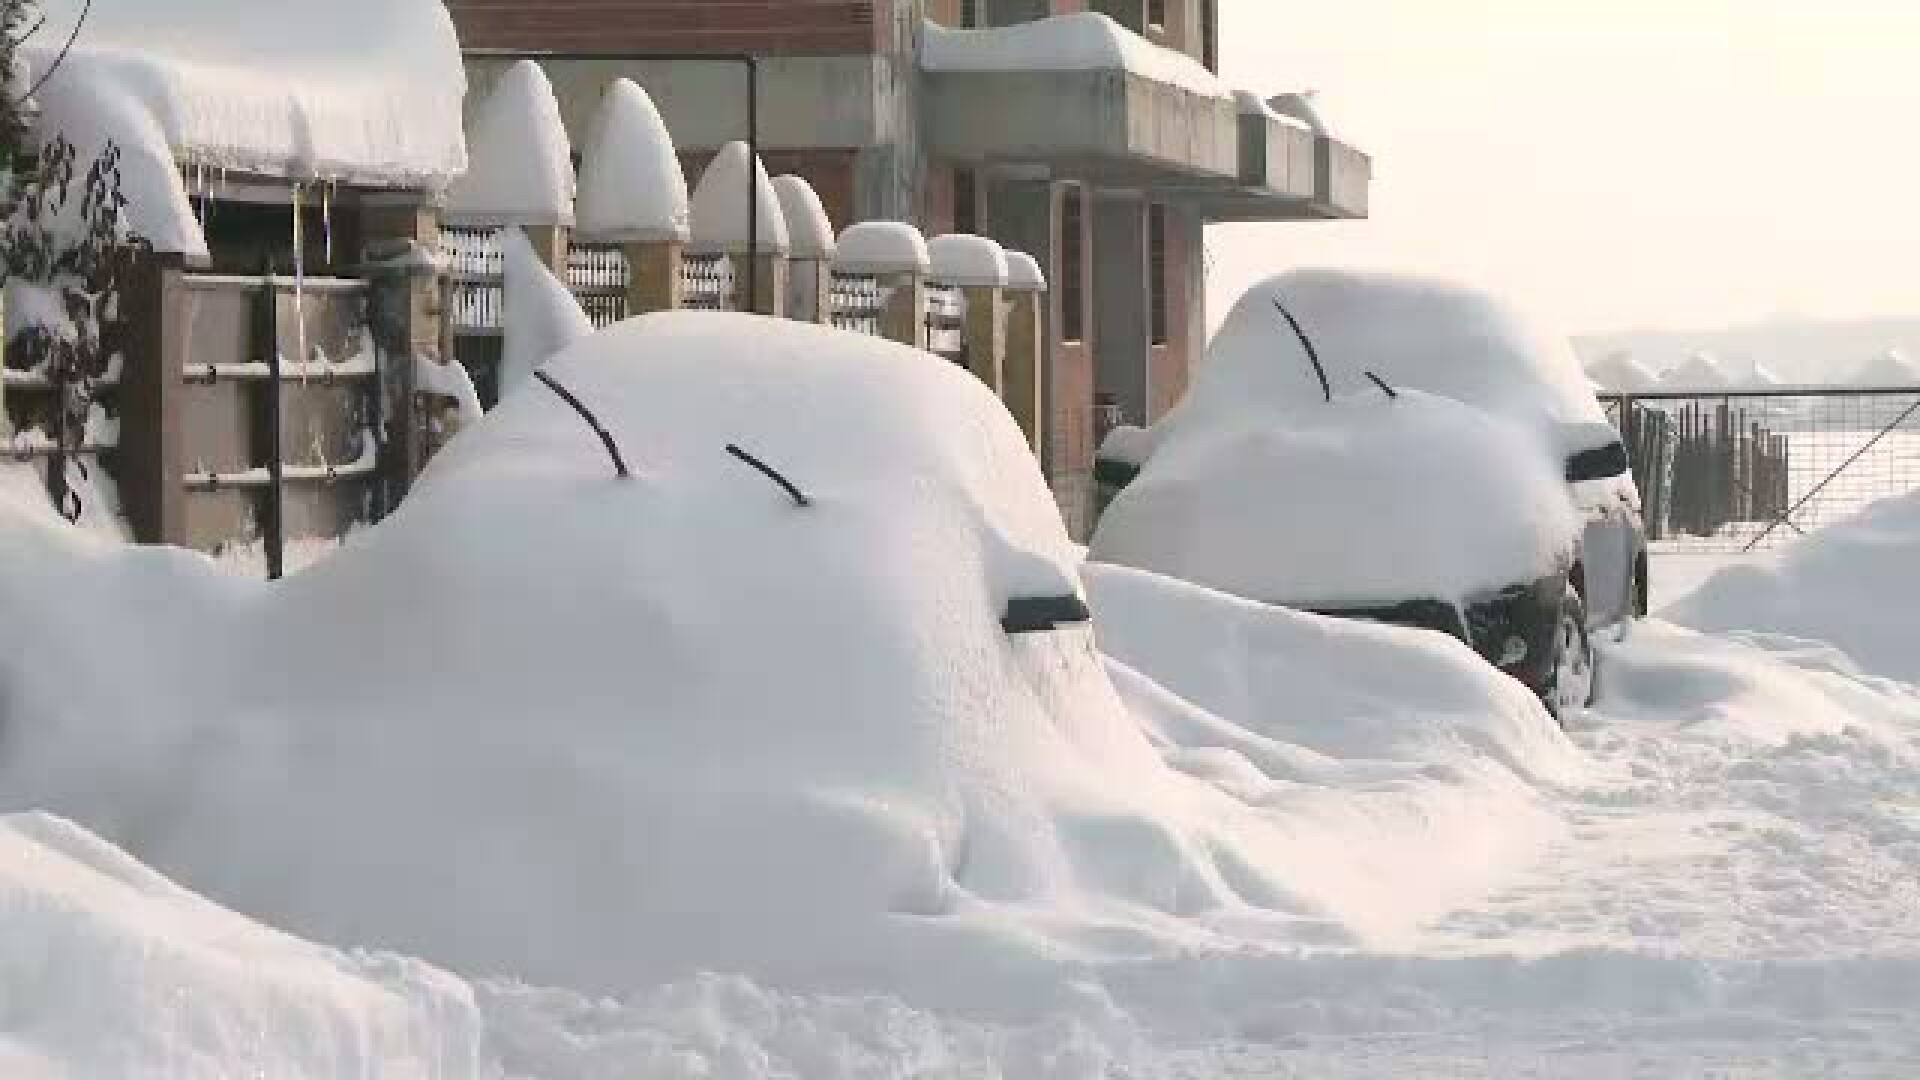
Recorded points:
(108, 971)
(1851, 585)
(882, 247)
(1083, 41)
(967, 261)
(631, 186)
(542, 315)
(1024, 273)
(720, 206)
(1889, 368)
(1621, 373)
(1360, 502)
(1428, 334)
(522, 167)
(1699, 371)
(361, 91)
(808, 227)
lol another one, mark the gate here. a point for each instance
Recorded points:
(279, 417)
(1749, 469)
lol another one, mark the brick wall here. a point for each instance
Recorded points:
(772, 27)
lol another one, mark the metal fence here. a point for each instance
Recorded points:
(707, 283)
(1739, 470)
(946, 318)
(855, 303)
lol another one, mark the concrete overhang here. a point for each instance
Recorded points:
(1112, 127)
(1289, 172)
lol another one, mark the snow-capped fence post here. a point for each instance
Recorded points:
(520, 166)
(633, 194)
(152, 465)
(895, 255)
(1026, 340)
(810, 234)
(760, 262)
(977, 267)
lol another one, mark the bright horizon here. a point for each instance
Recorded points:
(1613, 164)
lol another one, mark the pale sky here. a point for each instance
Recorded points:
(1612, 163)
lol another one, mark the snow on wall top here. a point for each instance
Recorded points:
(522, 169)
(720, 206)
(1084, 41)
(631, 186)
(882, 247)
(968, 261)
(1024, 273)
(361, 91)
(808, 228)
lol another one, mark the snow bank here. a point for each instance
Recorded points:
(1851, 585)
(360, 91)
(1084, 41)
(522, 170)
(967, 261)
(108, 970)
(631, 186)
(542, 315)
(1360, 502)
(808, 227)
(720, 206)
(882, 247)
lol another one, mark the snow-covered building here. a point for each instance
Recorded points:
(284, 162)
(1095, 135)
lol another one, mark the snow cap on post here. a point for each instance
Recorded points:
(542, 315)
(520, 167)
(1024, 273)
(631, 186)
(882, 247)
(808, 228)
(720, 206)
(968, 261)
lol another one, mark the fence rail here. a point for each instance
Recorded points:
(1735, 470)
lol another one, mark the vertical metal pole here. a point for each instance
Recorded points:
(753, 183)
(276, 465)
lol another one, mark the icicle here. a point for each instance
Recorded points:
(326, 218)
(299, 284)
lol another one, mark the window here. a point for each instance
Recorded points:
(966, 201)
(1073, 259)
(1161, 303)
(970, 12)
(1156, 12)
(1209, 35)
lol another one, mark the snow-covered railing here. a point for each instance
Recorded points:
(855, 303)
(946, 318)
(708, 282)
(474, 267)
(364, 465)
(599, 276)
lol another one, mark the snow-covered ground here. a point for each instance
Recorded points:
(626, 731)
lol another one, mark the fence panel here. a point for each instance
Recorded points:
(946, 318)
(707, 282)
(855, 303)
(1736, 470)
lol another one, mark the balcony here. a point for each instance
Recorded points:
(1081, 97)
(1291, 169)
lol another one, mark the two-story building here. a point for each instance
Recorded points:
(1093, 133)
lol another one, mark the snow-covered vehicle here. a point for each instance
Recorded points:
(1395, 449)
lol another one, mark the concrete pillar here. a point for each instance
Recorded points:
(551, 242)
(903, 316)
(400, 235)
(149, 467)
(986, 338)
(770, 284)
(809, 291)
(654, 278)
(1025, 363)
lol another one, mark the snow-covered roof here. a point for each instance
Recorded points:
(1083, 41)
(1252, 104)
(882, 247)
(720, 206)
(1300, 107)
(1891, 367)
(809, 229)
(1621, 373)
(522, 167)
(631, 187)
(1024, 273)
(1699, 371)
(364, 92)
(968, 261)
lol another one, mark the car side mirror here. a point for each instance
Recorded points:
(1599, 463)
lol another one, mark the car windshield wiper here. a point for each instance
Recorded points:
(1313, 355)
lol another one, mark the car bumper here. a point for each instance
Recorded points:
(1512, 629)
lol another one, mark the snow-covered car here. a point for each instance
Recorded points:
(1396, 449)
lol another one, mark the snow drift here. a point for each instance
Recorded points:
(1851, 585)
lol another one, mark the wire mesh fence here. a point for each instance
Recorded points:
(1736, 471)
